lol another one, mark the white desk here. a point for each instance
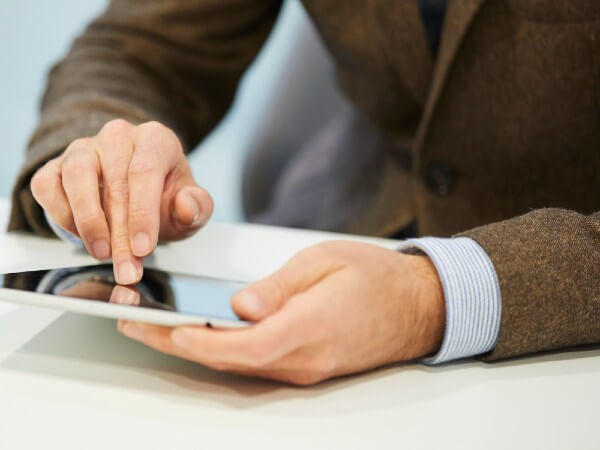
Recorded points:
(70, 381)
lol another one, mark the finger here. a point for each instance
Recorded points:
(154, 336)
(290, 369)
(266, 296)
(47, 189)
(185, 207)
(191, 208)
(251, 347)
(80, 172)
(159, 338)
(153, 158)
(116, 145)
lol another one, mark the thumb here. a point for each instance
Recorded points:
(265, 297)
(190, 208)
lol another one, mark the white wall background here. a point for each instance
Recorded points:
(35, 33)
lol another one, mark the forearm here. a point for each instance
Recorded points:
(174, 62)
(547, 266)
(517, 287)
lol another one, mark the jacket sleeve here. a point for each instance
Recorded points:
(548, 267)
(175, 61)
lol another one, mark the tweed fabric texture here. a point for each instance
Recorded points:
(501, 125)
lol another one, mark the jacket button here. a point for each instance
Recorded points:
(439, 178)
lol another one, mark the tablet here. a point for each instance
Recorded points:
(160, 298)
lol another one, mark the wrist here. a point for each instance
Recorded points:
(431, 307)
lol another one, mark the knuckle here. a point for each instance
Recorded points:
(140, 214)
(143, 167)
(277, 287)
(329, 247)
(90, 220)
(167, 137)
(116, 127)
(74, 164)
(120, 242)
(39, 183)
(120, 250)
(118, 192)
(78, 144)
(152, 127)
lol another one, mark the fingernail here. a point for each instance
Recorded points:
(251, 304)
(141, 244)
(127, 273)
(101, 249)
(194, 204)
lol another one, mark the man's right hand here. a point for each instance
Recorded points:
(121, 191)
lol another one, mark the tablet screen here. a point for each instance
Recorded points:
(185, 294)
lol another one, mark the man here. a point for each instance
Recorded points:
(483, 133)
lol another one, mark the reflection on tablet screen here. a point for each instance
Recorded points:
(185, 294)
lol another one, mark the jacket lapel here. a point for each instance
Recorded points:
(400, 28)
(459, 16)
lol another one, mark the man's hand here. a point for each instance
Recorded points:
(334, 309)
(121, 191)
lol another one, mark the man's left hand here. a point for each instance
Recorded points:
(336, 308)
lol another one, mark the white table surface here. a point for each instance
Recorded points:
(69, 381)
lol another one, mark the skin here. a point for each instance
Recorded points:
(121, 191)
(336, 308)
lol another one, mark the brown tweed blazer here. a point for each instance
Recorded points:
(502, 129)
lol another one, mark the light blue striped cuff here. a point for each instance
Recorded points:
(62, 233)
(472, 293)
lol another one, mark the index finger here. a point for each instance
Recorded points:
(255, 346)
(116, 152)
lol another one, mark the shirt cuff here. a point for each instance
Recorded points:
(62, 233)
(472, 295)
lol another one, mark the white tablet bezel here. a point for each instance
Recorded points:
(112, 310)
